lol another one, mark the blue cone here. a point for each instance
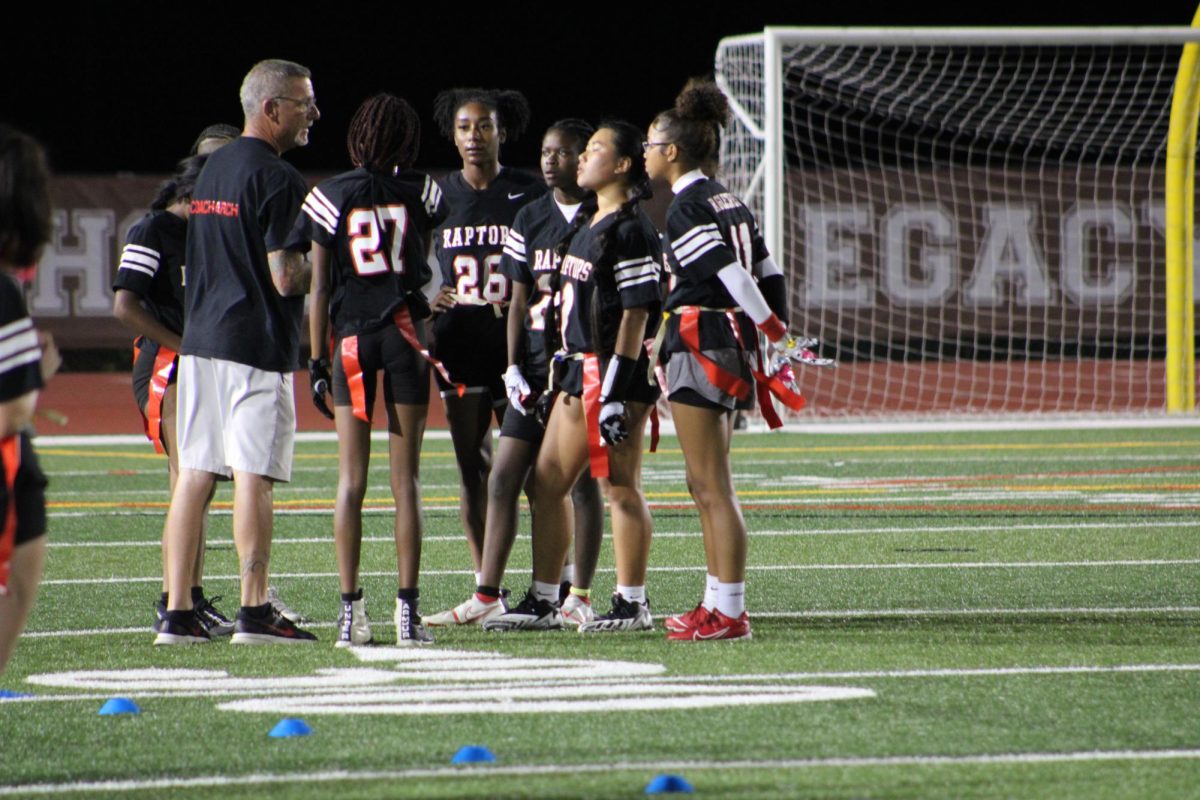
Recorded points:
(668, 783)
(291, 726)
(472, 754)
(9, 694)
(119, 705)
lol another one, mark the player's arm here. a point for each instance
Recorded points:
(517, 308)
(15, 414)
(291, 272)
(128, 309)
(319, 370)
(632, 332)
(318, 310)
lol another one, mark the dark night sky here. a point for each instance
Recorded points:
(127, 88)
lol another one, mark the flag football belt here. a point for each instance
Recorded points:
(160, 379)
(733, 385)
(10, 452)
(353, 367)
(592, 381)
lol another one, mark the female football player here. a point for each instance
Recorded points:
(369, 232)
(148, 300)
(469, 311)
(609, 291)
(530, 263)
(723, 279)
(28, 358)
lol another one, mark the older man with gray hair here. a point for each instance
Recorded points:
(236, 415)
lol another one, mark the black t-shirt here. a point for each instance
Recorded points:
(152, 266)
(709, 228)
(375, 227)
(529, 258)
(631, 280)
(244, 206)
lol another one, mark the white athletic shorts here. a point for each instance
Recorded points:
(234, 417)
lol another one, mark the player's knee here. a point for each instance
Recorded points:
(626, 500)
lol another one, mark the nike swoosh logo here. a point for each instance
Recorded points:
(512, 196)
(713, 635)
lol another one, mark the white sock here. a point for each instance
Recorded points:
(546, 591)
(731, 599)
(479, 579)
(634, 594)
(568, 574)
(710, 592)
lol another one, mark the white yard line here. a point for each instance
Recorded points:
(1153, 562)
(981, 672)
(1116, 525)
(648, 768)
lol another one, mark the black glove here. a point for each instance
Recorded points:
(542, 406)
(614, 422)
(319, 379)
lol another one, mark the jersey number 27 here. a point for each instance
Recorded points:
(366, 229)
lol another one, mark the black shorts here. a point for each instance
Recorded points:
(405, 371)
(526, 428)
(29, 490)
(640, 389)
(472, 343)
(143, 369)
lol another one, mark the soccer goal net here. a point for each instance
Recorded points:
(971, 221)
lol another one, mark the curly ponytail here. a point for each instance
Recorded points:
(694, 124)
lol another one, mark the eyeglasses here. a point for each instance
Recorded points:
(306, 105)
(647, 145)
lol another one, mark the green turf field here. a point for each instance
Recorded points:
(1009, 614)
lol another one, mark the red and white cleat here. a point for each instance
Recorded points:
(716, 626)
(679, 623)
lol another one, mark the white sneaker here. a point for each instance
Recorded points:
(409, 630)
(576, 611)
(353, 626)
(626, 615)
(294, 617)
(531, 614)
(471, 612)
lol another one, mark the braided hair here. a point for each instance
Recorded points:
(627, 143)
(579, 130)
(180, 185)
(511, 107)
(694, 124)
(385, 133)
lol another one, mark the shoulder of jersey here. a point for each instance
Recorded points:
(533, 213)
(521, 186)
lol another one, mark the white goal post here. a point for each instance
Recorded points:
(973, 221)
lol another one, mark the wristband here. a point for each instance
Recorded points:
(617, 378)
(773, 328)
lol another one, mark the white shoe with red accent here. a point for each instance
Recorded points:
(472, 612)
(577, 610)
